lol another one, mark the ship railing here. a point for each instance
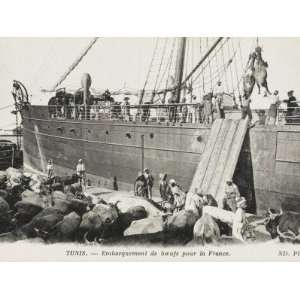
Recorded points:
(288, 116)
(173, 113)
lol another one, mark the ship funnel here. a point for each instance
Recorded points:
(86, 82)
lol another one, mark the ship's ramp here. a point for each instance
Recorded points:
(220, 157)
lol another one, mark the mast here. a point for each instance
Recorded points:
(216, 43)
(179, 66)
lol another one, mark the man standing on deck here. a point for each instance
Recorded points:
(232, 193)
(245, 108)
(80, 170)
(172, 108)
(291, 105)
(272, 113)
(184, 111)
(219, 105)
(208, 109)
(126, 109)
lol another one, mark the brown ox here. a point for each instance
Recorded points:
(285, 225)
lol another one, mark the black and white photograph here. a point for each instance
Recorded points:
(150, 148)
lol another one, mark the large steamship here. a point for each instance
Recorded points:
(117, 140)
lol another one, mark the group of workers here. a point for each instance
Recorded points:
(173, 199)
(172, 195)
(272, 113)
(210, 107)
(80, 171)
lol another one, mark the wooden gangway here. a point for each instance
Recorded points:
(220, 157)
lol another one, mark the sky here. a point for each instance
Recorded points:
(115, 63)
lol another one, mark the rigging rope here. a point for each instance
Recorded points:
(215, 75)
(160, 65)
(230, 67)
(222, 70)
(7, 106)
(226, 79)
(217, 62)
(187, 55)
(191, 88)
(170, 65)
(236, 70)
(211, 88)
(204, 67)
(203, 59)
(149, 71)
(167, 65)
(74, 65)
(241, 56)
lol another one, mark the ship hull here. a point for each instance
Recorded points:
(113, 149)
(268, 170)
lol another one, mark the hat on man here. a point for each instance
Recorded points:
(126, 98)
(162, 176)
(258, 49)
(291, 92)
(172, 181)
(228, 180)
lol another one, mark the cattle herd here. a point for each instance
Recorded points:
(57, 210)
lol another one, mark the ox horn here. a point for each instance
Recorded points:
(287, 235)
(99, 240)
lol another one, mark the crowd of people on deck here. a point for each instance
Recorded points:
(190, 109)
(270, 116)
